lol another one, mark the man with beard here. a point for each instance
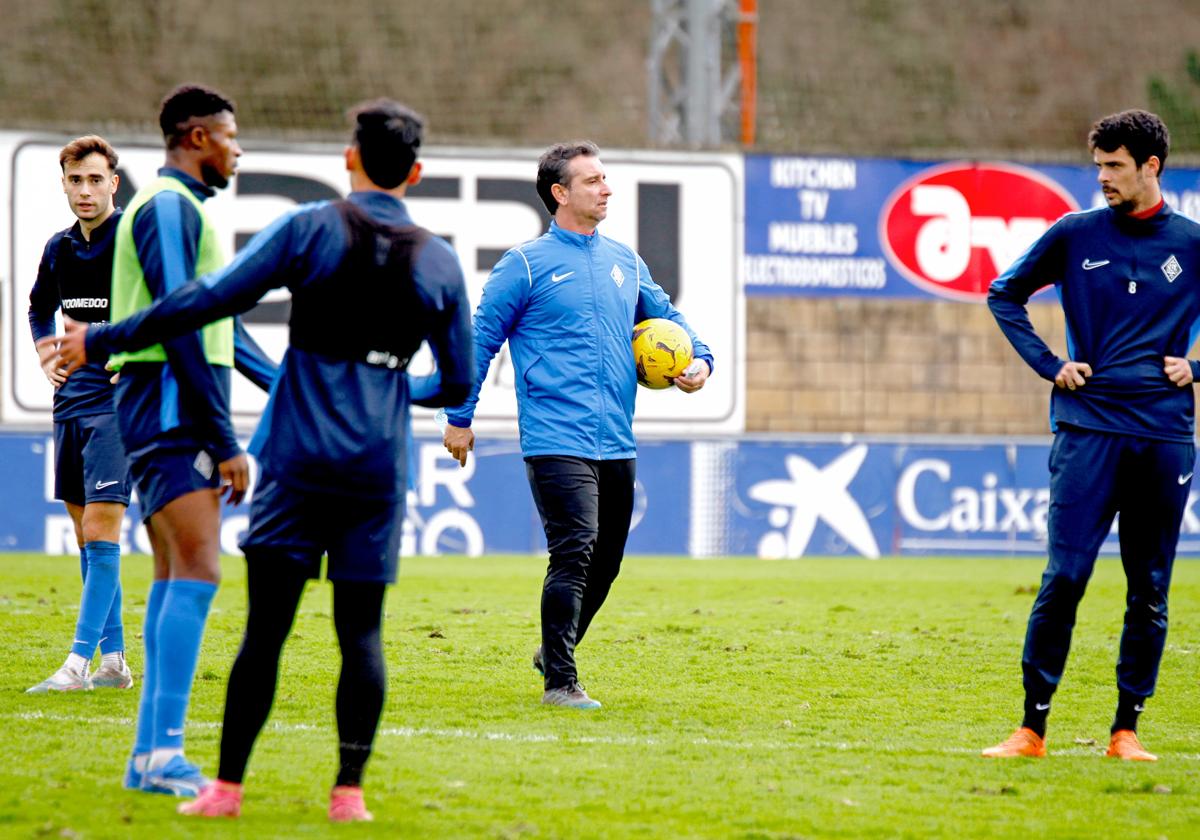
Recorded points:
(1122, 413)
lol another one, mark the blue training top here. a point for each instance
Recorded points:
(1130, 292)
(567, 303)
(75, 274)
(337, 420)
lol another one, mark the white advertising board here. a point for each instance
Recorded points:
(681, 212)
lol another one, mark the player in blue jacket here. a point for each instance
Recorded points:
(91, 475)
(368, 287)
(1121, 409)
(566, 303)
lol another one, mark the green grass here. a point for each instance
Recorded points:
(743, 698)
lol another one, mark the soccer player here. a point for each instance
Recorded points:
(368, 286)
(1122, 412)
(173, 413)
(90, 473)
(567, 302)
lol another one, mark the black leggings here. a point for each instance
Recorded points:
(275, 585)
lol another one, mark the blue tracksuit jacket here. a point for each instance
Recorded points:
(333, 425)
(1130, 291)
(566, 303)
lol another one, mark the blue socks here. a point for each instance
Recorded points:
(144, 739)
(100, 606)
(177, 649)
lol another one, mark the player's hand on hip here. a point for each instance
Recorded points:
(458, 442)
(235, 477)
(693, 377)
(1072, 375)
(1178, 370)
(71, 346)
(47, 350)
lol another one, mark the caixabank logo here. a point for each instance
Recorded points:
(951, 229)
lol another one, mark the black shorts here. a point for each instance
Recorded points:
(89, 461)
(361, 536)
(167, 472)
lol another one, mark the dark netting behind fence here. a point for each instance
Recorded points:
(877, 77)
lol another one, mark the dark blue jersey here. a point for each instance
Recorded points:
(186, 397)
(1130, 292)
(75, 275)
(367, 288)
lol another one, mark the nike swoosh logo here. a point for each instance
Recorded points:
(100, 485)
(1183, 479)
(1139, 708)
(174, 732)
(1041, 707)
(558, 278)
(1088, 265)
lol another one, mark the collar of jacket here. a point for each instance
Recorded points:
(583, 240)
(200, 189)
(1133, 224)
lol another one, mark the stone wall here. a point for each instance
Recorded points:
(867, 366)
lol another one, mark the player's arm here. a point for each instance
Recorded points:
(266, 263)
(504, 298)
(1181, 370)
(654, 302)
(1009, 296)
(44, 301)
(251, 360)
(291, 250)
(440, 283)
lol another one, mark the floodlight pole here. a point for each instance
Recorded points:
(702, 72)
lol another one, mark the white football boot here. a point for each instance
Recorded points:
(64, 679)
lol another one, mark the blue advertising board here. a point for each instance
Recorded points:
(897, 228)
(710, 498)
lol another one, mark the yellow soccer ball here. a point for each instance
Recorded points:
(662, 350)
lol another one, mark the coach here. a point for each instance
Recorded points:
(567, 302)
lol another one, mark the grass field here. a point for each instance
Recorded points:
(743, 698)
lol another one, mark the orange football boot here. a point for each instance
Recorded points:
(1024, 743)
(1125, 744)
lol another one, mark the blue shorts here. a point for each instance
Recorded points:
(89, 461)
(360, 536)
(167, 472)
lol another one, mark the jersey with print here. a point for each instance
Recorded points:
(75, 275)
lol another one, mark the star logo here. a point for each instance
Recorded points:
(1171, 269)
(810, 494)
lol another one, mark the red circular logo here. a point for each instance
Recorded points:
(952, 228)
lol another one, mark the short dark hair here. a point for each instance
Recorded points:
(183, 104)
(89, 144)
(1141, 132)
(553, 164)
(388, 136)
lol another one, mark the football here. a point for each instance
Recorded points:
(662, 350)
